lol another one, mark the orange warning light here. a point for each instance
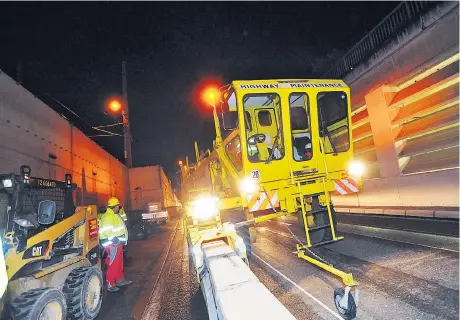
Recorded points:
(211, 95)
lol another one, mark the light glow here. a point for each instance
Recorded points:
(248, 186)
(115, 106)
(211, 95)
(205, 208)
(356, 169)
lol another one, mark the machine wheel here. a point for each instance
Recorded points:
(83, 291)
(320, 219)
(39, 304)
(350, 312)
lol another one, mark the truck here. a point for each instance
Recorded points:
(279, 148)
(151, 195)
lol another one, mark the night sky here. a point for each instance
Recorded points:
(72, 51)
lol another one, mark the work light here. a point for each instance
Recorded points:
(205, 208)
(356, 169)
(248, 186)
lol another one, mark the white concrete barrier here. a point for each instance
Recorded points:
(422, 194)
(232, 291)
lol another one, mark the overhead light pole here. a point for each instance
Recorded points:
(124, 112)
(117, 105)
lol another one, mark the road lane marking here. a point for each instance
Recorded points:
(299, 287)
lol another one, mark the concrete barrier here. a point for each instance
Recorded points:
(434, 194)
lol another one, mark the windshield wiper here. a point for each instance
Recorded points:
(326, 131)
(328, 134)
(275, 143)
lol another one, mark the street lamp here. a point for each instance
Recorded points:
(116, 106)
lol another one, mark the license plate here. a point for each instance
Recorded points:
(146, 216)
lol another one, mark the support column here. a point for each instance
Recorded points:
(377, 103)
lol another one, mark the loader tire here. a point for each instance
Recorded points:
(83, 292)
(41, 303)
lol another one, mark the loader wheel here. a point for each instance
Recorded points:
(39, 304)
(349, 312)
(83, 291)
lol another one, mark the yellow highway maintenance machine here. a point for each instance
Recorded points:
(51, 250)
(279, 147)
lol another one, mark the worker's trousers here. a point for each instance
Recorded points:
(114, 263)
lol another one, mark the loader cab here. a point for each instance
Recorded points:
(30, 205)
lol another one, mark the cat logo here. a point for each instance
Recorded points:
(36, 251)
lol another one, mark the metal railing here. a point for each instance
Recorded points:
(402, 16)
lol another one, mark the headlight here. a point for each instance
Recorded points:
(249, 186)
(23, 223)
(7, 183)
(205, 208)
(356, 169)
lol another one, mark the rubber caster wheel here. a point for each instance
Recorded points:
(348, 313)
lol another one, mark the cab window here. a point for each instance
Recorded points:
(265, 138)
(264, 118)
(233, 150)
(300, 126)
(333, 121)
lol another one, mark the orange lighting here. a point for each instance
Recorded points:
(180, 162)
(211, 95)
(115, 106)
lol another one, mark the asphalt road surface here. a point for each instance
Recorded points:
(402, 275)
(129, 303)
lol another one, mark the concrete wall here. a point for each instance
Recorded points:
(32, 133)
(426, 43)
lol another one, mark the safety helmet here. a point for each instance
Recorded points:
(113, 202)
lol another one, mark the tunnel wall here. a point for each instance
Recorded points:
(32, 133)
(424, 44)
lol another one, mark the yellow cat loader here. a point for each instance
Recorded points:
(279, 147)
(51, 250)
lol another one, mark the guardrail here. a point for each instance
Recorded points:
(402, 16)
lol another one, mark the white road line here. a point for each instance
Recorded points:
(299, 287)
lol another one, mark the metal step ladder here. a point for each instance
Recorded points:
(327, 225)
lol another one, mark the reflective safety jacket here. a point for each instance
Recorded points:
(112, 225)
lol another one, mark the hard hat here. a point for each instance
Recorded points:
(113, 202)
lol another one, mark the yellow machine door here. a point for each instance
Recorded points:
(304, 152)
(334, 123)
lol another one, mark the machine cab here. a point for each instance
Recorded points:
(287, 130)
